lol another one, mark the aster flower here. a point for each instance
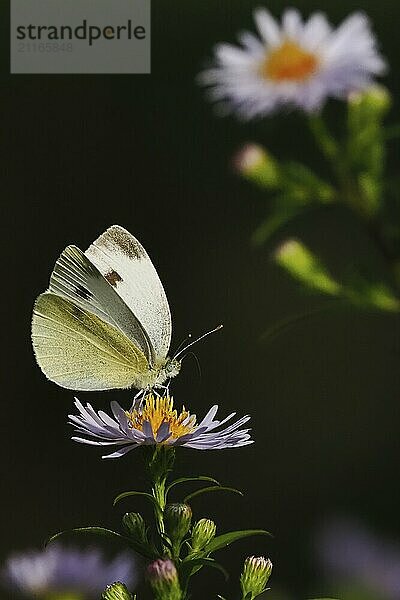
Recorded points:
(155, 421)
(352, 554)
(294, 64)
(66, 571)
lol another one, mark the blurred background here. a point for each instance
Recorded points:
(80, 153)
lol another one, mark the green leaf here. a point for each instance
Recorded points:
(214, 488)
(92, 530)
(196, 564)
(221, 541)
(274, 222)
(133, 493)
(142, 549)
(185, 479)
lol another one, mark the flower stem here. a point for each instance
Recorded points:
(160, 464)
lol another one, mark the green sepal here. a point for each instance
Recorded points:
(221, 541)
(187, 479)
(134, 493)
(214, 488)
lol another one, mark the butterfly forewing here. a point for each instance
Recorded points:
(75, 278)
(78, 350)
(125, 264)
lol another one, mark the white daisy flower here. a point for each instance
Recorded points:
(294, 64)
(155, 421)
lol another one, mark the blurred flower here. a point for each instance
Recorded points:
(156, 422)
(69, 572)
(295, 64)
(350, 553)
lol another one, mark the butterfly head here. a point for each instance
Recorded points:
(168, 370)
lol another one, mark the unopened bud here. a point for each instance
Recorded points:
(293, 256)
(256, 572)
(135, 526)
(256, 164)
(116, 591)
(203, 532)
(375, 100)
(177, 519)
(163, 578)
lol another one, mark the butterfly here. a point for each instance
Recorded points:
(105, 322)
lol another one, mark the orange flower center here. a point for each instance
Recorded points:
(289, 62)
(160, 410)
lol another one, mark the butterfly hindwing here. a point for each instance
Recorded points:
(78, 350)
(125, 264)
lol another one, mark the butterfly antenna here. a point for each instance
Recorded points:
(183, 342)
(198, 340)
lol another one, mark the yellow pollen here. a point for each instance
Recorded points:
(289, 62)
(157, 411)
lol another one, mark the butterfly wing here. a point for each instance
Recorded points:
(123, 261)
(78, 350)
(75, 278)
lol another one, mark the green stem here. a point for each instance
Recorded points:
(160, 463)
(349, 188)
(325, 139)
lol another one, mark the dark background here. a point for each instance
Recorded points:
(82, 152)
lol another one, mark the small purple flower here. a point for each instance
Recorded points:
(348, 551)
(155, 421)
(61, 570)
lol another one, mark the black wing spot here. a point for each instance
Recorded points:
(113, 278)
(83, 292)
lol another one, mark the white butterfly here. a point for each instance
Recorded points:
(105, 321)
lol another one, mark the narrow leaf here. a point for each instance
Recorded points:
(221, 541)
(214, 488)
(92, 530)
(142, 549)
(185, 479)
(133, 493)
(194, 565)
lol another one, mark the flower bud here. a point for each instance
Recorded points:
(256, 572)
(135, 526)
(374, 101)
(116, 591)
(256, 164)
(177, 519)
(203, 532)
(304, 266)
(163, 578)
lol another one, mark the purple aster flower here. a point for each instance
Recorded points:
(155, 421)
(350, 552)
(66, 572)
(293, 64)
